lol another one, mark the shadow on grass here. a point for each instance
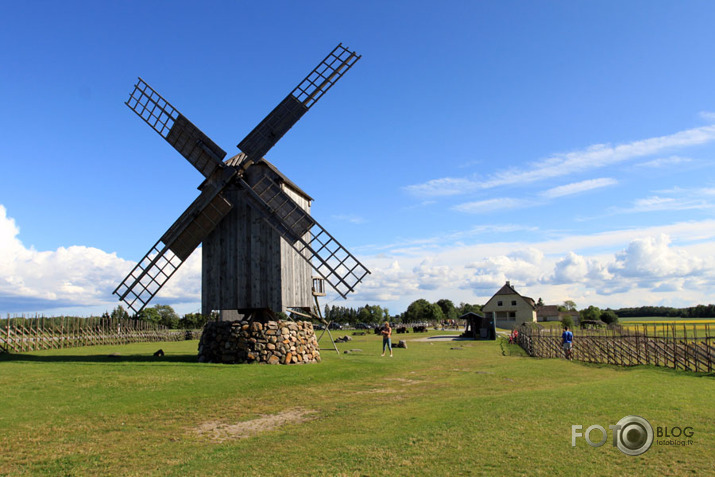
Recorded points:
(652, 367)
(99, 358)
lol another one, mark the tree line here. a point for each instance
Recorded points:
(699, 311)
(418, 311)
(159, 315)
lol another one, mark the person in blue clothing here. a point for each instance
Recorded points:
(567, 342)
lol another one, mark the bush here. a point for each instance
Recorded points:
(609, 316)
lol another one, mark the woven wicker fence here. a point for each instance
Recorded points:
(32, 335)
(688, 347)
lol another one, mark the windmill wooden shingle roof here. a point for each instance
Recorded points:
(236, 161)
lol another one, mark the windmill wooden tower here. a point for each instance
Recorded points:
(259, 241)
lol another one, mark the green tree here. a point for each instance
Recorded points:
(465, 308)
(417, 311)
(569, 305)
(434, 313)
(192, 321)
(119, 313)
(448, 309)
(609, 316)
(372, 314)
(150, 315)
(590, 313)
(161, 315)
(167, 316)
(567, 321)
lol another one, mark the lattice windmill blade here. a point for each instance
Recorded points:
(269, 196)
(331, 260)
(297, 103)
(317, 246)
(178, 131)
(197, 221)
(175, 246)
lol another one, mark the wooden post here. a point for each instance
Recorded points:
(686, 348)
(708, 337)
(675, 352)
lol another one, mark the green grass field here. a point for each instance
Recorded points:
(480, 409)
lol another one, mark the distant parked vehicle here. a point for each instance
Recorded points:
(335, 326)
(363, 326)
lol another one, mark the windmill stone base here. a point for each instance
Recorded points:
(272, 342)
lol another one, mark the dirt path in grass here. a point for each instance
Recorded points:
(220, 431)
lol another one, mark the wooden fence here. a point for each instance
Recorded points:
(23, 335)
(688, 347)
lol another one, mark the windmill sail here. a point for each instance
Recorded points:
(197, 221)
(147, 277)
(298, 102)
(326, 255)
(331, 260)
(175, 246)
(178, 131)
(297, 221)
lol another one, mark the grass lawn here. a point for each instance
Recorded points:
(436, 408)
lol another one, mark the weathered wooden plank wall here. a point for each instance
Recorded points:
(247, 265)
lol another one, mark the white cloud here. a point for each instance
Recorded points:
(612, 269)
(559, 165)
(601, 155)
(445, 186)
(578, 187)
(75, 276)
(662, 162)
(523, 266)
(185, 285)
(708, 115)
(673, 199)
(418, 245)
(653, 258)
(668, 264)
(432, 277)
(69, 275)
(490, 205)
(353, 219)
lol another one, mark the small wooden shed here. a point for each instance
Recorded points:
(479, 327)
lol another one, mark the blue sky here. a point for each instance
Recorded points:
(566, 146)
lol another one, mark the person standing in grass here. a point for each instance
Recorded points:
(567, 342)
(386, 338)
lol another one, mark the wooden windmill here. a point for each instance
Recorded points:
(259, 240)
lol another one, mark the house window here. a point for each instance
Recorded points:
(499, 303)
(512, 315)
(513, 303)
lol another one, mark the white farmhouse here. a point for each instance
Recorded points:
(509, 308)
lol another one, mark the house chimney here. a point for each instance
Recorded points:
(507, 283)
